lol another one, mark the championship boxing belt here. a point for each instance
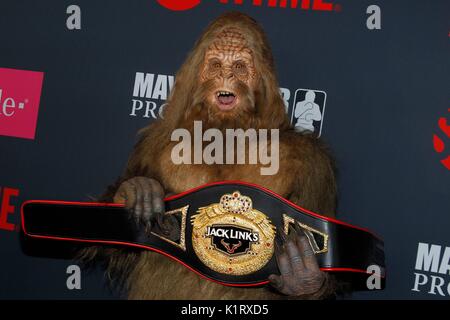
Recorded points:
(227, 233)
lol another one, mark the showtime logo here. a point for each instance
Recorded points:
(438, 142)
(7, 207)
(321, 5)
(20, 92)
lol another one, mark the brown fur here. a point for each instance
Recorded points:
(306, 174)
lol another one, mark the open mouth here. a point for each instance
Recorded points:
(226, 99)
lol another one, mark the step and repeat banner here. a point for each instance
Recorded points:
(78, 79)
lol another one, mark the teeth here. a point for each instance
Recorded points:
(223, 93)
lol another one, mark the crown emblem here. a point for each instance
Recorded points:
(236, 203)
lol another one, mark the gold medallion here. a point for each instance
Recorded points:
(231, 237)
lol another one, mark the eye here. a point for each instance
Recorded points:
(239, 66)
(216, 65)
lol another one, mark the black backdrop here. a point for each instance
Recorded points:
(386, 90)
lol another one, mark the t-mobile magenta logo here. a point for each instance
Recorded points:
(20, 92)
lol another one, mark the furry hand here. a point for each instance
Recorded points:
(300, 273)
(144, 199)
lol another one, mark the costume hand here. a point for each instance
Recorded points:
(300, 273)
(143, 198)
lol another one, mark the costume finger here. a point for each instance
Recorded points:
(282, 260)
(137, 211)
(129, 194)
(282, 237)
(309, 258)
(293, 250)
(157, 196)
(146, 199)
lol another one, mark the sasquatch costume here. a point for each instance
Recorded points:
(227, 81)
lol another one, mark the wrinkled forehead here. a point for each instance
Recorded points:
(229, 42)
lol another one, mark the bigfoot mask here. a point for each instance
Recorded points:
(228, 79)
(229, 68)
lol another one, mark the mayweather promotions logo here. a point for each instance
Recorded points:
(231, 237)
(308, 110)
(150, 91)
(432, 269)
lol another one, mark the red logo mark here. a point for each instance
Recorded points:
(438, 143)
(6, 208)
(337, 7)
(321, 5)
(230, 249)
(179, 5)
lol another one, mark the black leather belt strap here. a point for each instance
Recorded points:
(227, 232)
